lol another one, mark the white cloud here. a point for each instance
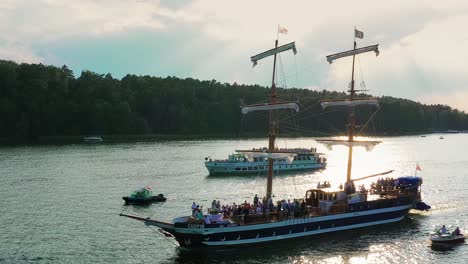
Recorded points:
(27, 23)
(18, 53)
(49, 20)
(456, 98)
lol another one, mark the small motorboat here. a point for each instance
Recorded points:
(143, 196)
(446, 237)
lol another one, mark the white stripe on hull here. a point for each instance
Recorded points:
(302, 234)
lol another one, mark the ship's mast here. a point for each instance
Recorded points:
(272, 129)
(351, 102)
(351, 123)
(272, 106)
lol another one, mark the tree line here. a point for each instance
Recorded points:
(39, 100)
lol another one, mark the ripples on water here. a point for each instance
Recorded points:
(61, 204)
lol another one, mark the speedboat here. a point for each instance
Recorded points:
(438, 238)
(143, 196)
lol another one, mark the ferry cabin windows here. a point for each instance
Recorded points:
(302, 157)
(258, 159)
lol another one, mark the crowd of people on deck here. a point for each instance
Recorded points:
(325, 184)
(383, 185)
(257, 207)
(261, 206)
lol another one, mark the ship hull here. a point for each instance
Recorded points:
(221, 236)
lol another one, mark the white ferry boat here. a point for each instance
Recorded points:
(238, 163)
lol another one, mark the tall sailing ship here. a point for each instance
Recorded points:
(321, 210)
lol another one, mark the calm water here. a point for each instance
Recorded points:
(61, 204)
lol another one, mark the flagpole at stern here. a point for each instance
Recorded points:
(354, 34)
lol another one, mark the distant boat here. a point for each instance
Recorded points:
(93, 139)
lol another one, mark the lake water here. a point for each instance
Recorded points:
(60, 204)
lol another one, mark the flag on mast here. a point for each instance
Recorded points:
(282, 30)
(358, 34)
(417, 167)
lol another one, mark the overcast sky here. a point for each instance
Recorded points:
(423, 44)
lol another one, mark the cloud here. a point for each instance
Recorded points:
(17, 52)
(50, 20)
(429, 61)
(455, 98)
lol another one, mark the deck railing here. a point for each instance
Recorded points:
(287, 215)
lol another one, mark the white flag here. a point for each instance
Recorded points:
(358, 34)
(282, 30)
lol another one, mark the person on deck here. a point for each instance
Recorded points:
(199, 215)
(362, 188)
(194, 206)
(457, 231)
(443, 230)
(194, 213)
(255, 200)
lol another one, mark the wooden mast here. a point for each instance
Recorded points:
(272, 106)
(272, 129)
(351, 123)
(351, 102)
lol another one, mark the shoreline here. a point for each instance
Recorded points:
(114, 139)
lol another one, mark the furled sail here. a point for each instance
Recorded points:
(368, 144)
(249, 154)
(268, 106)
(268, 53)
(374, 48)
(350, 103)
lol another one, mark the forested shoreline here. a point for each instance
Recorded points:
(40, 102)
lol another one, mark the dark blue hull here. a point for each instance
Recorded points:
(223, 235)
